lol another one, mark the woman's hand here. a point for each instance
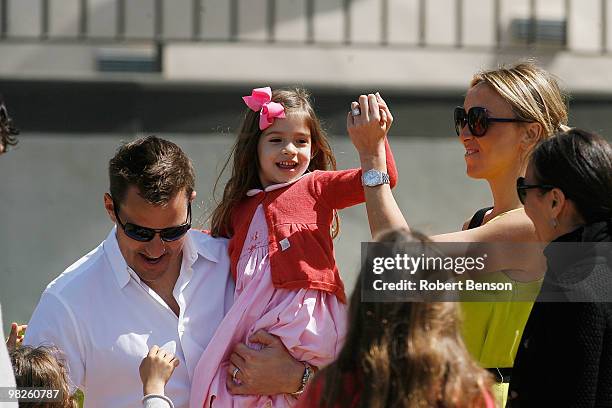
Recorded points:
(268, 371)
(368, 129)
(156, 369)
(15, 337)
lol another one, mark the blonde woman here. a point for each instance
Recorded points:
(506, 112)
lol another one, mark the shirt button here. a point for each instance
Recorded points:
(513, 394)
(526, 343)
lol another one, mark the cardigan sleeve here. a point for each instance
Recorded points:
(343, 188)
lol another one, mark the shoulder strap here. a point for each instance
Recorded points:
(477, 218)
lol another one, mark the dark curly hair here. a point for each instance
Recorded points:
(8, 131)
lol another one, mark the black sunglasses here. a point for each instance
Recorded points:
(478, 119)
(145, 234)
(521, 188)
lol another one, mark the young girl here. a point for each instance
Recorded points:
(40, 367)
(279, 211)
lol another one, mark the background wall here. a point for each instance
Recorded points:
(80, 76)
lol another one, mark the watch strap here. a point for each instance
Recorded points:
(383, 178)
(308, 373)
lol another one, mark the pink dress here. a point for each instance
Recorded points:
(310, 323)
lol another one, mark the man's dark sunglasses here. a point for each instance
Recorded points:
(477, 120)
(144, 234)
(521, 188)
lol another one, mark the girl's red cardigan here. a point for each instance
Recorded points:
(299, 217)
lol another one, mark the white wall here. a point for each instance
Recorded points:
(328, 62)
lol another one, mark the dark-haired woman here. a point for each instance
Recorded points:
(401, 354)
(565, 355)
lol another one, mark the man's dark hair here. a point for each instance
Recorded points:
(8, 131)
(157, 167)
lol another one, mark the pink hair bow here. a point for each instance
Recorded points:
(261, 101)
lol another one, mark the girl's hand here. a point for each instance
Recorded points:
(15, 337)
(368, 130)
(385, 112)
(156, 369)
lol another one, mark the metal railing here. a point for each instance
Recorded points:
(527, 32)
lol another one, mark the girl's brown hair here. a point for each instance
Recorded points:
(42, 367)
(245, 162)
(404, 354)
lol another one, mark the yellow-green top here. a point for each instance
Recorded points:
(492, 330)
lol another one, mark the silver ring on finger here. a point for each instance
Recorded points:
(234, 373)
(356, 111)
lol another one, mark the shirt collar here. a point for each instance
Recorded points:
(254, 191)
(191, 251)
(116, 260)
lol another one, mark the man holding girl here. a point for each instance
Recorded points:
(152, 281)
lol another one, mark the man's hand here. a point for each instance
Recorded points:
(268, 371)
(15, 337)
(156, 369)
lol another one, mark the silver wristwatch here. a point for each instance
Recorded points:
(373, 178)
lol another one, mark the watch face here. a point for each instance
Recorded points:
(371, 178)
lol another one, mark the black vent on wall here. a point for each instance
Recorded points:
(549, 32)
(128, 60)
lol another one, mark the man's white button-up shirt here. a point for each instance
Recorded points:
(105, 320)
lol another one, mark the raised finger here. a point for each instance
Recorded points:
(364, 106)
(350, 118)
(374, 109)
(10, 341)
(383, 105)
(355, 105)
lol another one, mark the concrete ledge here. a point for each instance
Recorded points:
(358, 68)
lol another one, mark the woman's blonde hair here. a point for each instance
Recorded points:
(533, 93)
